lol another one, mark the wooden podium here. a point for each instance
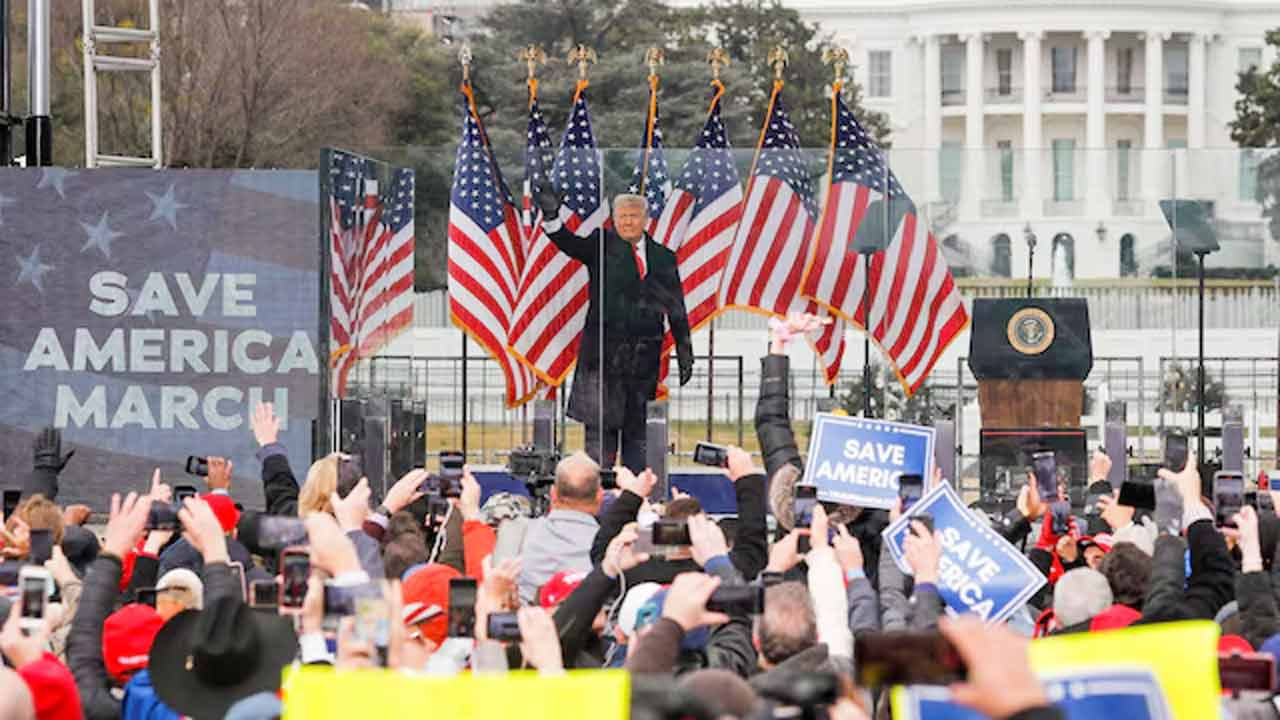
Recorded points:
(1030, 357)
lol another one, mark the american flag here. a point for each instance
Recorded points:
(767, 257)
(371, 268)
(915, 309)
(484, 264)
(699, 221)
(537, 151)
(652, 177)
(552, 305)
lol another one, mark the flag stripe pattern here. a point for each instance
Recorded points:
(485, 236)
(699, 221)
(371, 260)
(912, 308)
(651, 165)
(552, 301)
(770, 246)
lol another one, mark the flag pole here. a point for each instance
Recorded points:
(717, 58)
(653, 57)
(464, 57)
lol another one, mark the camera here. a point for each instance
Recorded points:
(34, 588)
(162, 516)
(737, 600)
(671, 532)
(295, 569)
(503, 627)
(198, 466)
(705, 453)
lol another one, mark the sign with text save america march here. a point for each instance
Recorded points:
(979, 571)
(147, 312)
(857, 462)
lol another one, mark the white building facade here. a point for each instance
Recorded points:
(1072, 118)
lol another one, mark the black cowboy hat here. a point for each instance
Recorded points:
(203, 661)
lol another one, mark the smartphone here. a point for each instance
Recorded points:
(1266, 504)
(11, 500)
(906, 658)
(41, 547)
(145, 596)
(1228, 496)
(925, 519)
(451, 462)
(1091, 502)
(237, 569)
(737, 600)
(462, 607)
(503, 627)
(295, 569)
(1175, 450)
(34, 585)
(671, 532)
(276, 532)
(350, 470)
(1060, 513)
(705, 453)
(1247, 671)
(373, 625)
(1045, 466)
(264, 594)
(1137, 494)
(182, 492)
(162, 516)
(802, 506)
(608, 479)
(769, 579)
(197, 465)
(644, 540)
(910, 488)
(338, 603)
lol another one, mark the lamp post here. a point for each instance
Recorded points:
(1101, 232)
(1030, 237)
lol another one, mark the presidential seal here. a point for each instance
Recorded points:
(1031, 331)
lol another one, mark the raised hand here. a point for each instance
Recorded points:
(265, 425)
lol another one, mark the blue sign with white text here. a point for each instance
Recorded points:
(858, 462)
(1129, 693)
(979, 571)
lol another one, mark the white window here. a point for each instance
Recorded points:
(1250, 57)
(952, 59)
(1063, 170)
(1006, 170)
(1064, 69)
(1004, 71)
(1249, 160)
(1124, 149)
(951, 170)
(1175, 67)
(1124, 71)
(879, 73)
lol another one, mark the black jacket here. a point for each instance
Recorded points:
(1212, 581)
(749, 554)
(773, 415)
(279, 486)
(84, 642)
(632, 317)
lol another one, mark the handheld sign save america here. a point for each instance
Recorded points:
(979, 571)
(858, 462)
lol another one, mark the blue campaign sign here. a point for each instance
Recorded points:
(1095, 693)
(979, 572)
(857, 462)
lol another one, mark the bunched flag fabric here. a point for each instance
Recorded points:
(552, 303)
(913, 309)
(371, 260)
(766, 261)
(485, 238)
(651, 177)
(699, 220)
(537, 154)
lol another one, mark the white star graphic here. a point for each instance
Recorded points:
(100, 236)
(31, 270)
(165, 207)
(55, 177)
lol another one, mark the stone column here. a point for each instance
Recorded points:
(975, 179)
(1155, 166)
(1030, 200)
(932, 116)
(1097, 195)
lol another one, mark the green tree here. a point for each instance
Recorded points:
(890, 402)
(1257, 125)
(1178, 389)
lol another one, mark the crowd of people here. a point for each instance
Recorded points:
(199, 617)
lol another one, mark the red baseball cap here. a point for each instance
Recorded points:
(1234, 644)
(426, 600)
(126, 639)
(224, 508)
(560, 586)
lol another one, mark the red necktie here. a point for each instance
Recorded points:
(639, 260)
